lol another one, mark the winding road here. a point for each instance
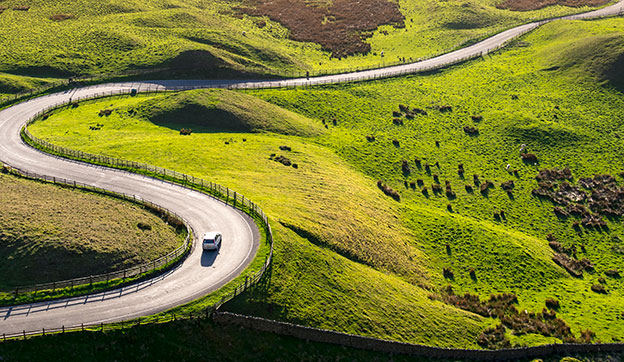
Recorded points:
(202, 272)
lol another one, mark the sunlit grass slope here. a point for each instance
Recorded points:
(347, 250)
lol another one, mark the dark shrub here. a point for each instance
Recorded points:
(335, 122)
(396, 114)
(613, 273)
(105, 112)
(475, 179)
(448, 273)
(472, 131)
(144, 226)
(294, 165)
(472, 273)
(417, 162)
(405, 167)
(436, 178)
(478, 118)
(283, 160)
(420, 182)
(552, 303)
(528, 157)
(388, 190)
(370, 138)
(395, 142)
(484, 187)
(413, 185)
(285, 148)
(397, 121)
(508, 185)
(599, 288)
(419, 111)
(186, 131)
(469, 189)
(573, 266)
(403, 108)
(436, 188)
(445, 109)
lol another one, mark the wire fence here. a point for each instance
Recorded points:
(143, 269)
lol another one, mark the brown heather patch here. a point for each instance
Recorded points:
(61, 17)
(339, 26)
(526, 5)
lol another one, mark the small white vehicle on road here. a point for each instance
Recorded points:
(211, 240)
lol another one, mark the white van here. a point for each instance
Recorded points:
(211, 240)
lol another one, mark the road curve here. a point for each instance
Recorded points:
(201, 272)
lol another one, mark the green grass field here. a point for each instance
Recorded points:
(350, 258)
(72, 234)
(205, 38)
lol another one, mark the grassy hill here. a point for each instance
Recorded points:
(72, 234)
(351, 258)
(44, 40)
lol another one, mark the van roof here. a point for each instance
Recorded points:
(210, 235)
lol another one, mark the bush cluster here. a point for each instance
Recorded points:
(388, 190)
